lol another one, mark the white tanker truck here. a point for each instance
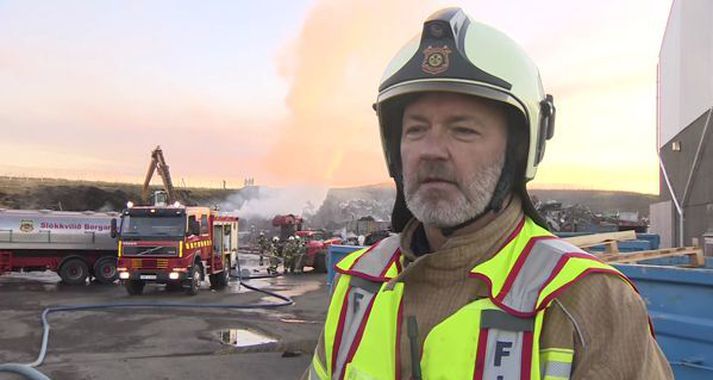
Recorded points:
(76, 245)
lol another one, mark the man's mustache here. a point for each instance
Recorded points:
(435, 171)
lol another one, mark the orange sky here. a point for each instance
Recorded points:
(94, 91)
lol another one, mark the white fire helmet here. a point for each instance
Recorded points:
(459, 55)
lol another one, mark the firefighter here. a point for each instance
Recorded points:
(472, 285)
(273, 257)
(264, 246)
(301, 251)
(289, 253)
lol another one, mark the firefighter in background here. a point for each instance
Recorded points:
(273, 257)
(264, 246)
(289, 253)
(300, 254)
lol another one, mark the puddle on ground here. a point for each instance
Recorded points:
(243, 338)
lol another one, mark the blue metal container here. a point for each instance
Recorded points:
(334, 254)
(655, 239)
(680, 303)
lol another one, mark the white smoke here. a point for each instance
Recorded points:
(265, 202)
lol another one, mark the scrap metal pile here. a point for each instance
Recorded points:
(580, 218)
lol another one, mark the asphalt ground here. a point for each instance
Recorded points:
(162, 343)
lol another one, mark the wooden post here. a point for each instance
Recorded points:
(611, 247)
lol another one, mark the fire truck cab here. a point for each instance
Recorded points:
(177, 246)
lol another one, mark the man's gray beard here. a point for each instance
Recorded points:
(433, 207)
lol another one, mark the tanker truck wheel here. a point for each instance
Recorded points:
(135, 287)
(74, 272)
(105, 270)
(194, 284)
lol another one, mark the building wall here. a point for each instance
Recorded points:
(685, 69)
(661, 217)
(685, 96)
(679, 166)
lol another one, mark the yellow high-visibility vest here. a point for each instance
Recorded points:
(490, 338)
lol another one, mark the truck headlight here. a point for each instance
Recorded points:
(124, 275)
(173, 276)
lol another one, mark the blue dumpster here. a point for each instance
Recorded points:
(680, 304)
(334, 254)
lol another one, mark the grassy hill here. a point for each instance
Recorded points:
(70, 195)
(339, 206)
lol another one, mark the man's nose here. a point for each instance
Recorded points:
(434, 147)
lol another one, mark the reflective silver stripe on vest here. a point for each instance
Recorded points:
(535, 271)
(374, 261)
(560, 370)
(361, 294)
(504, 349)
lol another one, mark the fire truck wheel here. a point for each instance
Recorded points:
(195, 281)
(135, 287)
(74, 272)
(105, 270)
(320, 264)
(220, 280)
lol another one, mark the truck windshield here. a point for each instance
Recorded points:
(169, 226)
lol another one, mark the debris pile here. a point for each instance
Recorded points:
(580, 218)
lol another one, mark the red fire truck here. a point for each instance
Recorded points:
(176, 246)
(317, 246)
(316, 241)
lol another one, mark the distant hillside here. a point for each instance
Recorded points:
(339, 206)
(68, 195)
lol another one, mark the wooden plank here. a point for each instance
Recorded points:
(645, 255)
(695, 255)
(586, 241)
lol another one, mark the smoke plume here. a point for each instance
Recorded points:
(265, 202)
(334, 67)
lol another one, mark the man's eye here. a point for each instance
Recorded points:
(464, 132)
(414, 131)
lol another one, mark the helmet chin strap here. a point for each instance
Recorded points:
(502, 190)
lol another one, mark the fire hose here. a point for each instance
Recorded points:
(30, 371)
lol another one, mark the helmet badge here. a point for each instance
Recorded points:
(435, 59)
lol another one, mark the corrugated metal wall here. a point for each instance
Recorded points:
(685, 92)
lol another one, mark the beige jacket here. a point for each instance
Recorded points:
(601, 317)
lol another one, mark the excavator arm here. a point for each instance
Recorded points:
(158, 164)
